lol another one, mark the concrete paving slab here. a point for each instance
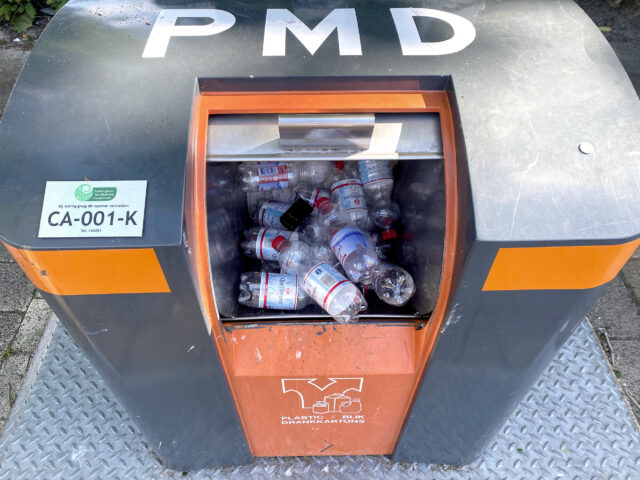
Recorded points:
(617, 312)
(631, 277)
(4, 255)
(627, 369)
(16, 291)
(9, 324)
(32, 327)
(11, 61)
(12, 373)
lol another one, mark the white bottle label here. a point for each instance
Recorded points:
(279, 292)
(270, 213)
(348, 194)
(323, 282)
(264, 249)
(346, 241)
(273, 176)
(374, 171)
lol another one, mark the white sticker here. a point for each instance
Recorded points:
(93, 209)
(346, 241)
(273, 176)
(374, 171)
(322, 282)
(278, 292)
(349, 195)
(270, 213)
(264, 247)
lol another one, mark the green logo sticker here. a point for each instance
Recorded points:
(86, 193)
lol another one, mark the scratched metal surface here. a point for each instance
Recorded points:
(573, 424)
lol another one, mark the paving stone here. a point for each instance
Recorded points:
(32, 327)
(16, 291)
(4, 255)
(631, 277)
(617, 312)
(627, 369)
(9, 324)
(12, 372)
(11, 60)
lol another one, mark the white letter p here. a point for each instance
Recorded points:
(165, 27)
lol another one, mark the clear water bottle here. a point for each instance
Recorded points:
(313, 195)
(323, 283)
(257, 243)
(377, 182)
(269, 213)
(261, 176)
(272, 291)
(355, 252)
(385, 243)
(324, 253)
(392, 284)
(347, 193)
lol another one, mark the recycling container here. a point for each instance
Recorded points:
(513, 128)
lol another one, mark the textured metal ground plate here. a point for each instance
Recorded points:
(573, 424)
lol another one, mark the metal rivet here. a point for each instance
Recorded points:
(586, 148)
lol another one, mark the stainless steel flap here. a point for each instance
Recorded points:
(324, 137)
(304, 133)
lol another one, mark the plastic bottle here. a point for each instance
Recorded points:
(314, 196)
(257, 243)
(323, 283)
(392, 284)
(271, 291)
(261, 176)
(385, 243)
(347, 193)
(355, 252)
(269, 213)
(377, 182)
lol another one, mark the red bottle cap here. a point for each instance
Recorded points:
(339, 165)
(321, 202)
(277, 242)
(389, 234)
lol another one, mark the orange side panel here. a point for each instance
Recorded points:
(557, 268)
(92, 272)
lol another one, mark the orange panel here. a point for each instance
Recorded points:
(389, 362)
(325, 389)
(557, 268)
(92, 272)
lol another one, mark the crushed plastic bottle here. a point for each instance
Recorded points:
(393, 284)
(323, 283)
(377, 182)
(314, 196)
(261, 176)
(359, 259)
(272, 291)
(385, 242)
(257, 243)
(269, 213)
(347, 193)
(355, 253)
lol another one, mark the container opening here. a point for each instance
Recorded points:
(410, 144)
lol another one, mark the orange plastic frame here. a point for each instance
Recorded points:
(318, 389)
